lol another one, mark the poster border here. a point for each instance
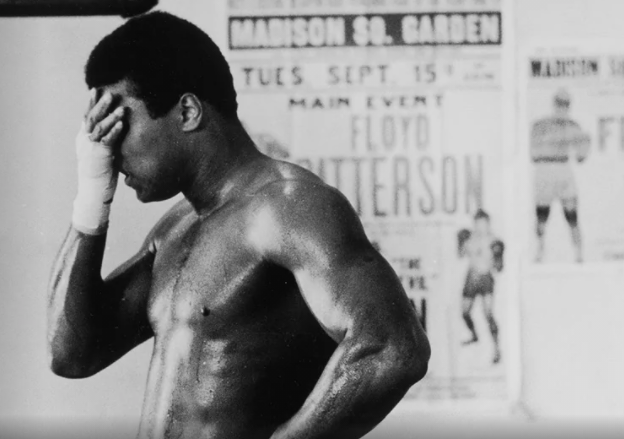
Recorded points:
(530, 269)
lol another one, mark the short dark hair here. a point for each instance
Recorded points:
(163, 56)
(562, 98)
(481, 214)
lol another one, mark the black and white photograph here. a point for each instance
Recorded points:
(312, 219)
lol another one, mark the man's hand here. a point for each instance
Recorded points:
(97, 178)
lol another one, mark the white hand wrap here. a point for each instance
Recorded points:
(97, 181)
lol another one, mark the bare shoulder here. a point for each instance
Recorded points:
(298, 192)
(300, 208)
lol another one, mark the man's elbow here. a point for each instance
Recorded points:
(418, 362)
(410, 360)
(67, 366)
(68, 370)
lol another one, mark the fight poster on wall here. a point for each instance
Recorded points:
(574, 133)
(397, 103)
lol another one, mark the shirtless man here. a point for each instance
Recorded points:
(485, 257)
(272, 315)
(555, 141)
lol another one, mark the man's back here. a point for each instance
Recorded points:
(236, 348)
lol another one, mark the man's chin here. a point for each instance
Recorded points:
(140, 194)
(149, 197)
(144, 197)
(141, 198)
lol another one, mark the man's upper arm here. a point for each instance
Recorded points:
(312, 230)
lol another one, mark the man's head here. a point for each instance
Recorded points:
(163, 57)
(482, 222)
(171, 80)
(562, 101)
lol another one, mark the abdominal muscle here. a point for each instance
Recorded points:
(200, 388)
(190, 392)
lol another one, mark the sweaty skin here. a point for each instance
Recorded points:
(272, 315)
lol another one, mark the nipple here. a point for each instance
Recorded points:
(205, 311)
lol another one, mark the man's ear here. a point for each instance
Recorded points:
(191, 113)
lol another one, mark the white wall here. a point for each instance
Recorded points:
(572, 325)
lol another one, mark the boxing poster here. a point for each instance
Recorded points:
(398, 104)
(573, 98)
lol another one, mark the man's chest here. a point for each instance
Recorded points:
(204, 271)
(560, 135)
(480, 248)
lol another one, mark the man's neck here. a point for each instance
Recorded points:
(224, 170)
(560, 114)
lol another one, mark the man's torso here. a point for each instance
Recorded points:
(554, 138)
(479, 252)
(479, 279)
(236, 349)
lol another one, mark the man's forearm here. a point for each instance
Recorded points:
(74, 311)
(357, 389)
(74, 289)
